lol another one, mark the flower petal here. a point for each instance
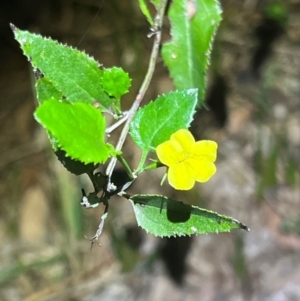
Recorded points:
(169, 153)
(179, 177)
(206, 149)
(184, 138)
(205, 170)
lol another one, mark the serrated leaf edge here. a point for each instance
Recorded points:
(241, 225)
(83, 53)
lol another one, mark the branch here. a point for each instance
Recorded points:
(152, 62)
(100, 227)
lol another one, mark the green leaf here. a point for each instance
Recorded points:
(71, 71)
(157, 121)
(145, 11)
(187, 55)
(79, 130)
(162, 216)
(116, 82)
(45, 90)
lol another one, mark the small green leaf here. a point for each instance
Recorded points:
(79, 130)
(188, 54)
(116, 82)
(71, 71)
(45, 90)
(156, 122)
(162, 216)
(145, 11)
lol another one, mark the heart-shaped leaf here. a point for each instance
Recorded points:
(78, 129)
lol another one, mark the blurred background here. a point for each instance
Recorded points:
(254, 114)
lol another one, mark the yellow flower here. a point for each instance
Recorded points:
(188, 161)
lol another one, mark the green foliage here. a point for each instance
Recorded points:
(78, 129)
(162, 216)
(45, 90)
(145, 11)
(156, 122)
(72, 72)
(187, 55)
(116, 82)
(74, 91)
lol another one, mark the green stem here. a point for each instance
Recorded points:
(154, 165)
(126, 166)
(145, 84)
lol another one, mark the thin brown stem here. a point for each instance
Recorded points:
(144, 86)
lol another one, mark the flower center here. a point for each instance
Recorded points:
(184, 156)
